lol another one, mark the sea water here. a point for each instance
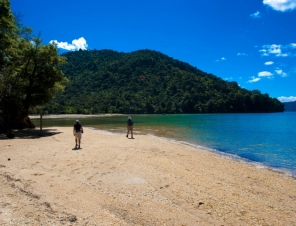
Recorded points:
(268, 140)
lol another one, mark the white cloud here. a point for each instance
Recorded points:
(286, 99)
(261, 74)
(264, 74)
(223, 58)
(76, 44)
(281, 73)
(282, 55)
(254, 80)
(268, 63)
(273, 49)
(281, 5)
(255, 15)
(242, 54)
(293, 45)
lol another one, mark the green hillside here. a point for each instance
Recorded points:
(290, 106)
(148, 81)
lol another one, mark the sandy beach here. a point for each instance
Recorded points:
(113, 180)
(74, 116)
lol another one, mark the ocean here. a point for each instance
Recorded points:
(266, 140)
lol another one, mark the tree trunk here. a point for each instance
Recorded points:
(17, 118)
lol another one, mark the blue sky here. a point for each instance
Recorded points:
(252, 42)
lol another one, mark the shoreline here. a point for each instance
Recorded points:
(144, 181)
(222, 154)
(287, 171)
(72, 116)
(226, 155)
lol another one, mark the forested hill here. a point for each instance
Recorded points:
(148, 81)
(290, 106)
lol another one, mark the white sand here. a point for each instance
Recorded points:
(113, 180)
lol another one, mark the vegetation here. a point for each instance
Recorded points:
(30, 72)
(290, 106)
(107, 81)
(148, 81)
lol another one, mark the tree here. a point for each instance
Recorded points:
(7, 39)
(31, 76)
(8, 31)
(116, 84)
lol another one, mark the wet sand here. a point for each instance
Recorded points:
(113, 180)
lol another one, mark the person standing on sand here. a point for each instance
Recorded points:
(77, 131)
(129, 126)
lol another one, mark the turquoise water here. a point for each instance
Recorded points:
(266, 139)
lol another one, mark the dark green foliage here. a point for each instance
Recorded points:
(147, 81)
(290, 106)
(7, 33)
(30, 72)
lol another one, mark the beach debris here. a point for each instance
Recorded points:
(30, 194)
(200, 203)
(48, 207)
(72, 218)
(68, 217)
(8, 159)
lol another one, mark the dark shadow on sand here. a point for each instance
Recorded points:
(30, 134)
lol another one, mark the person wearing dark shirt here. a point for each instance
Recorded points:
(77, 131)
(129, 126)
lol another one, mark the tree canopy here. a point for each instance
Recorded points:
(30, 72)
(106, 81)
(290, 106)
(147, 81)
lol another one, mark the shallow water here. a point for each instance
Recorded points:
(266, 139)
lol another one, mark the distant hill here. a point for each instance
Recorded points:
(146, 81)
(290, 106)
